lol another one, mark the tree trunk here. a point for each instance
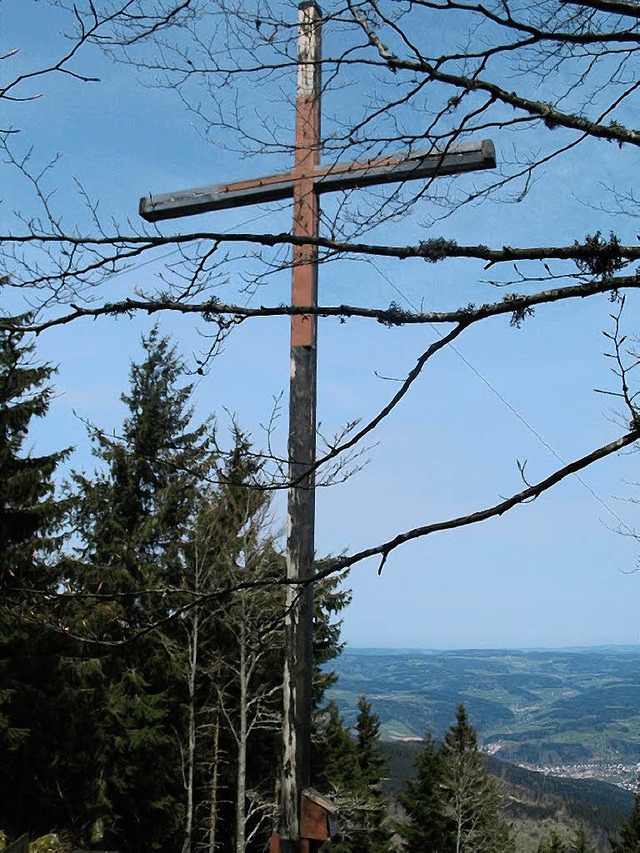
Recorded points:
(213, 797)
(191, 744)
(241, 782)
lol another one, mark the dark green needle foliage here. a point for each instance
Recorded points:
(629, 840)
(135, 514)
(351, 767)
(29, 514)
(552, 844)
(455, 804)
(429, 827)
(150, 719)
(371, 761)
(471, 796)
(30, 522)
(336, 763)
(581, 842)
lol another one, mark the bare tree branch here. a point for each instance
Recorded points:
(383, 550)
(516, 305)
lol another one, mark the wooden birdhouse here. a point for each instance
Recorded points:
(318, 822)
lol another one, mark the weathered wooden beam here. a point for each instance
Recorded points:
(300, 553)
(153, 208)
(465, 157)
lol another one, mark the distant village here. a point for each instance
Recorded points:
(624, 775)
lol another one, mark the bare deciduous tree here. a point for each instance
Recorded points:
(554, 84)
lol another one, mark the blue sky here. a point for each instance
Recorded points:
(552, 573)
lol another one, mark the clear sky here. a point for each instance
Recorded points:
(552, 573)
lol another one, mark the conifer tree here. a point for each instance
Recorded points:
(30, 519)
(126, 704)
(429, 827)
(629, 840)
(28, 512)
(580, 842)
(371, 761)
(354, 784)
(349, 767)
(372, 833)
(237, 659)
(454, 805)
(135, 515)
(330, 599)
(552, 844)
(336, 762)
(207, 645)
(238, 673)
(471, 797)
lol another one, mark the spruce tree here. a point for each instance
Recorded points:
(343, 775)
(125, 702)
(552, 844)
(238, 670)
(429, 827)
(330, 599)
(372, 833)
(29, 514)
(471, 797)
(454, 805)
(232, 653)
(371, 760)
(336, 762)
(580, 841)
(30, 521)
(166, 710)
(135, 515)
(237, 667)
(629, 840)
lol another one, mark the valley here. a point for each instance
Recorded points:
(572, 713)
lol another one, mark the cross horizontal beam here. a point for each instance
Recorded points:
(465, 157)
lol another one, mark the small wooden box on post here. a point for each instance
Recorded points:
(318, 823)
(304, 184)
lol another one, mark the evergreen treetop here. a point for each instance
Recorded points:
(29, 514)
(429, 827)
(350, 771)
(135, 517)
(454, 805)
(371, 760)
(136, 513)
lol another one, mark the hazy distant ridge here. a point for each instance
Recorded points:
(557, 709)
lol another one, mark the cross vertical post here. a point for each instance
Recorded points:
(298, 654)
(304, 184)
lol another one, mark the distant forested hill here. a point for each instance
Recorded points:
(541, 708)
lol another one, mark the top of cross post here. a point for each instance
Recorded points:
(310, 4)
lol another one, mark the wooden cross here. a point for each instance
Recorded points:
(304, 184)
